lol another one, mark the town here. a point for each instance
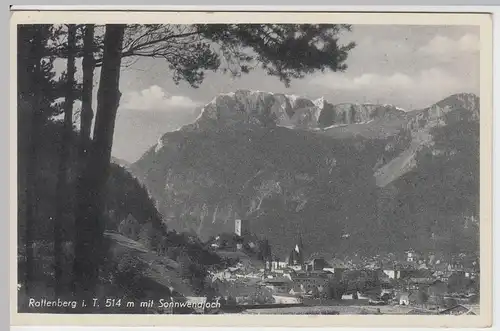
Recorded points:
(413, 282)
(257, 282)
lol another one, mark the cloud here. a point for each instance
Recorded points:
(445, 46)
(427, 78)
(155, 98)
(426, 85)
(365, 81)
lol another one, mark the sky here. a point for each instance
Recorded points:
(411, 67)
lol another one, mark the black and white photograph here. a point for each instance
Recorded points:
(249, 169)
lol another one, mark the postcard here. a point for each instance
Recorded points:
(225, 168)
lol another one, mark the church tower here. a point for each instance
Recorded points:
(297, 256)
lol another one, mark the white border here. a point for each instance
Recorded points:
(496, 27)
(312, 8)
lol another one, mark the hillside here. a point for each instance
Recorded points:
(120, 162)
(441, 192)
(422, 124)
(126, 198)
(293, 165)
(125, 195)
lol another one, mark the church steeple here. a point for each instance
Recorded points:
(297, 253)
(299, 247)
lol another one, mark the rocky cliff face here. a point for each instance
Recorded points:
(257, 108)
(291, 164)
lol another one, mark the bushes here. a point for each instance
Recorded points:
(422, 297)
(260, 296)
(124, 273)
(450, 302)
(442, 302)
(192, 272)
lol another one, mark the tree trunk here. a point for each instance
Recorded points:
(88, 65)
(32, 161)
(86, 116)
(64, 154)
(89, 218)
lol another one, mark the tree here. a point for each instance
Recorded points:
(260, 296)
(37, 90)
(286, 51)
(35, 61)
(125, 274)
(335, 290)
(64, 153)
(192, 271)
(88, 64)
(265, 253)
(450, 302)
(422, 297)
(89, 226)
(315, 292)
(457, 283)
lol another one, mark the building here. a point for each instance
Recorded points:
(361, 277)
(415, 257)
(437, 288)
(129, 227)
(389, 269)
(418, 279)
(277, 265)
(421, 312)
(337, 267)
(198, 303)
(421, 276)
(411, 256)
(316, 264)
(400, 270)
(310, 280)
(456, 267)
(458, 310)
(242, 227)
(287, 299)
(404, 299)
(281, 285)
(443, 276)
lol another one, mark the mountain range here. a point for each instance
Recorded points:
(347, 178)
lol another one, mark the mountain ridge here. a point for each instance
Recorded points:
(335, 179)
(292, 111)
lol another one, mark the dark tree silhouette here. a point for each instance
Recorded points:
(422, 297)
(37, 90)
(89, 227)
(285, 51)
(265, 253)
(88, 64)
(64, 153)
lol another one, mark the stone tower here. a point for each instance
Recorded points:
(241, 227)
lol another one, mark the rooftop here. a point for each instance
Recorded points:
(277, 280)
(459, 310)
